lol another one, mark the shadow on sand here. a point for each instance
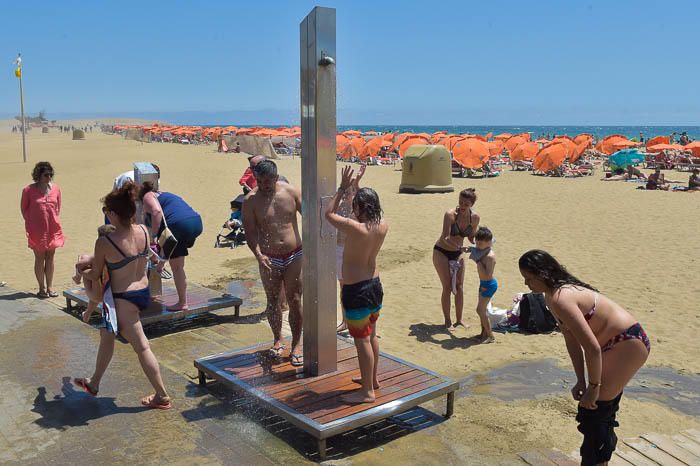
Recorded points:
(426, 333)
(75, 408)
(240, 415)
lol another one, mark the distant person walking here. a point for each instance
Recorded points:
(167, 209)
(41, 208)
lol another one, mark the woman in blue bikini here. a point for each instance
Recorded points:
(457, 224)
(602, 339)
(125, 254)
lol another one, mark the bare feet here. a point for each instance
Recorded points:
(448, 323)
(358, 380)
(177, 307)
(487, 339)
(156, 401)
(358, 397)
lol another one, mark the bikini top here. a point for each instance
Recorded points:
(589, 315)
(127, 259)
(456, 231)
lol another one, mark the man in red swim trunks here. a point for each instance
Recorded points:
(272, 233)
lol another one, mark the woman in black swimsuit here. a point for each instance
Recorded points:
(125, 253)
(458, 223)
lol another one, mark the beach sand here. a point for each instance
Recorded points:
(639, 248)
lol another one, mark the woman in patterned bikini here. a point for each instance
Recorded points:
(602, 339)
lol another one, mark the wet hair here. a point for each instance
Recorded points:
(483, 234)
(265, 169)
(469, 194)
(545, 267)
(39, 169)
(122, 202)
(146, 187)
(367, 202)
(104, 230)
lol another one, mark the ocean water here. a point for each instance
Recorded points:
(536, 131)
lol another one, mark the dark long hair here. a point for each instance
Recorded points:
(367, 202)
(545, 267)
(122, 201)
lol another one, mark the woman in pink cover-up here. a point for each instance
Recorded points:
(41, 206)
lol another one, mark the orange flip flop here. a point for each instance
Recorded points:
(81, 383)
(150, 402)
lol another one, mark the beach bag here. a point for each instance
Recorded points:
(166, 241)
(534, 315)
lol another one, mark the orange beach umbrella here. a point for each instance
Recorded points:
(550, 157)
(525, 151)
(471, 153)
(372, 148)
(658, 140)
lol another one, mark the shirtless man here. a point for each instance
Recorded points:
(362, 292)
(272, 233)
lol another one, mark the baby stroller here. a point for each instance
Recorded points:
(232, 234)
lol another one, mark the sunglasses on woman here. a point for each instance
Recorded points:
(49, 174)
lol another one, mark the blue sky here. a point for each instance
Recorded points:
(408, 62)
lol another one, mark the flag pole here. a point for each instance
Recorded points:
(18, 73)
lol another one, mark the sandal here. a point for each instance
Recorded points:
(297, 360)
(276, 352)
(150, 402)
(42, 294)
(52, 294)
(81, 383)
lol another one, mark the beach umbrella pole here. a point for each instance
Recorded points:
(318, 180)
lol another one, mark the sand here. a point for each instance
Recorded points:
(639, 248)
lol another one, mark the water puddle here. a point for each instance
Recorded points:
(244, 290)
(528, 380)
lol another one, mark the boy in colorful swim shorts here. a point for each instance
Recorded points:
(362, 292)
(485, 260)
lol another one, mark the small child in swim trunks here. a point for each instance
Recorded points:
(93, 289)
(485, 260)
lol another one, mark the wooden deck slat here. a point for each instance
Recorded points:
(692, 434)
(330, 401)
(559, 458)
(329, 383)
(634, 457)
(687, 443)
(666, 444)
(536, 458)
(652, 452)
(342, 355)
(381, 400)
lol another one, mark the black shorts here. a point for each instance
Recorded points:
(362, 302)
(186, 232)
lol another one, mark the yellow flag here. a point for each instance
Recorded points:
(18, 72)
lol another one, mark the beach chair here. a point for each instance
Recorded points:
(521, 165)
(682, 162)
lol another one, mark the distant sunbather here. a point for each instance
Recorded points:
(694, 181)
(630, 174)
(657, 181)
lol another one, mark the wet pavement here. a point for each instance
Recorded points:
(45, 420)
(541, 379)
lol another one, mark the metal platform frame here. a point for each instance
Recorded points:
(157, 310)
(319, 431)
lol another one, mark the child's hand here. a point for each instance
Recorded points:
(346, 178)
(86, 316)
